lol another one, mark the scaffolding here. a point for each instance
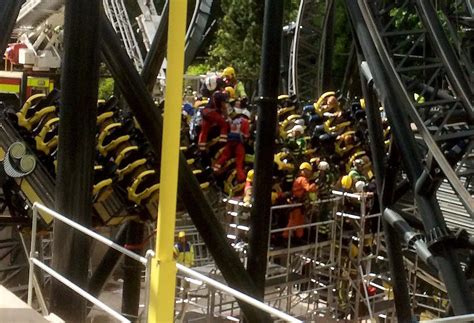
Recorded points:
(336, 269)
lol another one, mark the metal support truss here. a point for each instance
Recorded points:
(421, 52)
(432, 133)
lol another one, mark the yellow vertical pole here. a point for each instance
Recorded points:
(163, 270)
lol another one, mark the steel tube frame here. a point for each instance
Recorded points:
(265, 142)
(132, 273)
(189, 191)
(239, 295)
(394, 101)
(76, 152)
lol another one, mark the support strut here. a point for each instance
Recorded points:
(76, 152)
(265, 142)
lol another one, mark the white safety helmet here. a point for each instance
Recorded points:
(297, 128)
(359, 186)
(299, 122)
(211, 82)
(323, 165)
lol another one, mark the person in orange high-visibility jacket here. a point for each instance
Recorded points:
(301, 186)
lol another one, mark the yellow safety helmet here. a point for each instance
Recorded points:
(228, 72)
(346, 182)
(181, 234)
(250, 175)
(306, 166)
(230, 90)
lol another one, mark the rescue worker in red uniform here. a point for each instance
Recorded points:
(238, 133)
(215, 113)
(301, 186)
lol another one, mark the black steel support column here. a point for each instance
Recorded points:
(77, 129)
(23, 87)
(189, 191)
(392, 97)
(156, 55)
(265, 142)
(9, 10)
(385, 186)
(132, 270)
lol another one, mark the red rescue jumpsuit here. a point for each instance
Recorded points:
(301, 186)
(213, 114)
(239, 131)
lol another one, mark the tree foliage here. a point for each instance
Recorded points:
(238, 39)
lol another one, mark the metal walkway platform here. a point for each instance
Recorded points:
(13, 309)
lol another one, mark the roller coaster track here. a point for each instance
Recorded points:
(421, 61)
(202, 21)
(420, 81)
(307, 53)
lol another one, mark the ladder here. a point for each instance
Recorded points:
(117, 14)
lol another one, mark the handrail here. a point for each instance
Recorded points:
(237, 294)
(91, 233)
(459, 318)
(79, 290)
(144, 260)
(34, 261)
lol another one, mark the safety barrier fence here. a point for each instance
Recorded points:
(145, 261)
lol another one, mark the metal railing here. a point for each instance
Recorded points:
(34, 261)
(146, 261)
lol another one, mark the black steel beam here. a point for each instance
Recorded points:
(156, 55)
(132, 271)
(9, 10)
(189, 191)
(393, 99)
(76, 151)
(385, 185)
(265, 142)
(108, 263)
